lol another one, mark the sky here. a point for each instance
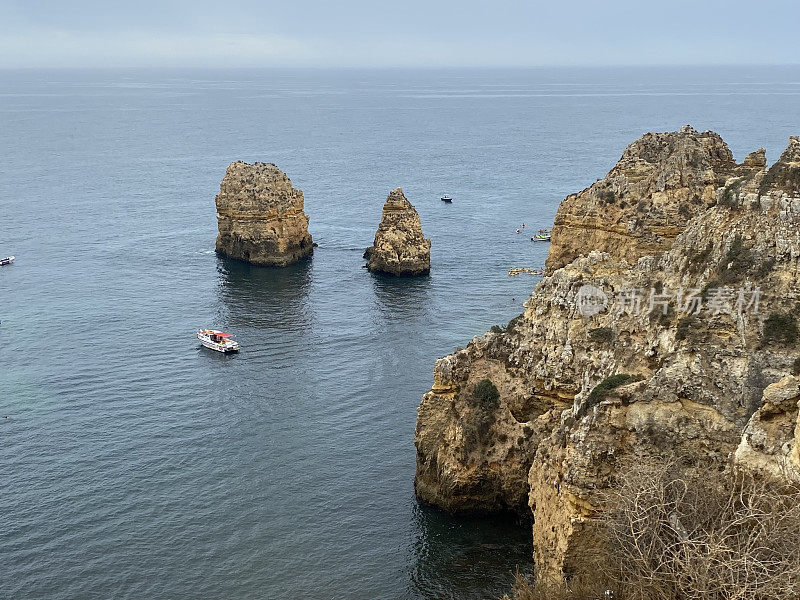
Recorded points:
(403, 33)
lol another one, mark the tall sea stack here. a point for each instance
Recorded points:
(260, 216)
(400, 247)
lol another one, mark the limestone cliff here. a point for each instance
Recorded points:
(260, 216)
(640, 341)
(645, 201)
(400, 248)
(770, 443)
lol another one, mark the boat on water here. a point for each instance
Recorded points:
(447, 199)
(514, 271)
(542, 236)
(218, 340)
(6, 261)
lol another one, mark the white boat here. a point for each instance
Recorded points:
(217, 340)
(6, 261)
(447, 199)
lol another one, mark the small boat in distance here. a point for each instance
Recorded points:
(514, 271)
(542, 236)
(447, 199)
(217, 340)
(6, 261)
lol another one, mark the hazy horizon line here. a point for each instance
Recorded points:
(394, 67)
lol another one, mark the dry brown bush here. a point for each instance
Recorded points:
(679, 532)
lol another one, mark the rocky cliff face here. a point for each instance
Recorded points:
(400, 248)
(770, 443)
(641, 341)
(260, 216)
(645, 201)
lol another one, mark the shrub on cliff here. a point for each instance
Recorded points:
(664, 317)
(695, 533)
(607, 197)
(765, 268)
(601, 335)
(685, 326)
(730, 197)
(731, 193)
(485, 399)
(589, 586)
(600, 391)
(782, 176)
(486, 395)
(679, 529)
(780, 329)
(738, 261)
(699, 259)
(709, 288)
(512, 324)
(472, 439)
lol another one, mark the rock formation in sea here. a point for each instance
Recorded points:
(260, 216)
(400, 248)
(667, 323)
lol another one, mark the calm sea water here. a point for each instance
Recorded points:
(134, 464)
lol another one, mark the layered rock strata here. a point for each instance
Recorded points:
(640, 342)
(660, 183)
(400, 248)
(260, 216)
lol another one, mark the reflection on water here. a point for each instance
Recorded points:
(273, 297)
(406, 299)
(467, 558)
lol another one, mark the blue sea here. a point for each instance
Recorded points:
(135, 464)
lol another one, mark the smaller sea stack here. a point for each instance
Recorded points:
(400, 247)
(260, 216)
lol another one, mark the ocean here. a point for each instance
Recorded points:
(135, 464)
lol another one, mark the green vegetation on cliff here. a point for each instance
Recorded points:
(780, 329)
(486, 395)
(485, 399)
(600, 391)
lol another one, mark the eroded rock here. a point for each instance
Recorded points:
(400, 248)
(645, 201)
(770, 443)
(260, 216)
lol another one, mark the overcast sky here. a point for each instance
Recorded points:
(363, 33)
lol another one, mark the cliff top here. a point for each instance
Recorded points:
(396, 200)
(258, 188)
(660, 183)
